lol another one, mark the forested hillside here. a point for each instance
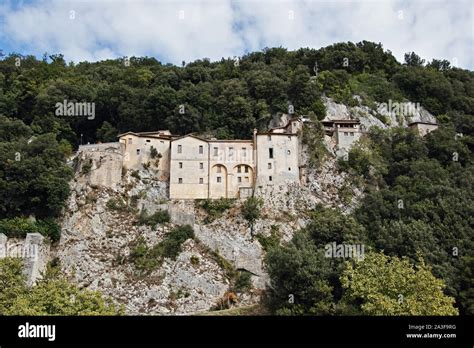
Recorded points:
(431, 176)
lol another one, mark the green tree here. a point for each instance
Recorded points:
(107, 133)
(52, 295)
(387, 285)
(299, 274)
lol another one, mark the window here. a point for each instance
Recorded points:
(216, 151)
(288, 152)
(247, 179)
(269, 137)
(246, 169)
(162, 142)
(218, 169)
(129, 140)
(346, 134)
(201, 180)
(201, 165)
(138, 152)
(239, 179)
(244, 152)
(270, 152)
(269, 166)
(231, 151)
(180, 148)
(352, 134)
(289, 169)
(269, 178)
(180, 180)
(180, 165)
(219, 179)
(148, 140)
(239, 169)
(289, 137)
(201, 149)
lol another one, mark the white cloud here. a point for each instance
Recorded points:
(211, 28)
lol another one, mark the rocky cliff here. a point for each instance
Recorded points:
(98, 237)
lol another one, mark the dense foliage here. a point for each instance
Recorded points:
(228, 99)
(419, 202)
(52, 295)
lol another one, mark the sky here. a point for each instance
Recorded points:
(176, 31)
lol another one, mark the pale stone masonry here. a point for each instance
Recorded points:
(423, 128)
(199, 168)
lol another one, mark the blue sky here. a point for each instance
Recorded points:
(173, 31)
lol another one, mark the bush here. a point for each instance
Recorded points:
(147, 259)
(171, 245)
(251, 209)
(215, 207)
(144, 258)
(159, 217)
(135, 174)
(116, 204)
(86, 167)
(243, 282)
(19, 227)
(153, 152)
(271, 241)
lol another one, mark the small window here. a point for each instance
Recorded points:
(180, 165)
(244, 152)
(219, 179)
(239, 179)
(289, 137)
(138, 152)
(148, 140)
(129, 140)
(269, 178)
(201, 149)
(231, 151)
(180, 148)
(216, 151)
(288, 152)
(201, 165)
(269, 166)
(218, 169)
(246, 169)
(162, 142)
(201, 180)
(346, 134)
(289, 169)
(180, 180)
(269, 137)
(247, 179)
(270, 152)
(352, 134)
(239, 169)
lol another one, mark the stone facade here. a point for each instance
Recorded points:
(34, 250)
(423, 128)
(108, 157)
(137, 151)
(199, 168)
(344, 132)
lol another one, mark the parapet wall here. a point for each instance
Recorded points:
(34, 250)
(104, 161)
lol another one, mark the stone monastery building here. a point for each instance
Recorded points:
(199, 168)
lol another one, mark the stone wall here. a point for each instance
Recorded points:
(105, 161)
(34, 250)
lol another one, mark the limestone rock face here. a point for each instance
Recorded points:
(395, 114)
